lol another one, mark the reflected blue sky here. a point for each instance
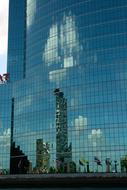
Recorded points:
(77, 51)
(3, 35)
(79, 47)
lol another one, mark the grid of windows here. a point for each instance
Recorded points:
(76, 49)
(16, 39)
(5, 129)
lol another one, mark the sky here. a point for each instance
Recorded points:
(3, 34)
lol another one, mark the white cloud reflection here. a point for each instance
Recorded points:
(57, 76)
(51, 48)
(80, 124)
(5, 138)
(95, 138)
(59, 49)
(31, 10)
(22, 104)
(63, 48)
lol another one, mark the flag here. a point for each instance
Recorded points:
(96, 159)
(83, 162)
(80, 162)
(108, 161)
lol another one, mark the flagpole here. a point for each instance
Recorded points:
(84, 169)
(97, 167)
(88, 170)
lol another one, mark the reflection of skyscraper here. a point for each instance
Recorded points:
(63, 152)
(42, 154)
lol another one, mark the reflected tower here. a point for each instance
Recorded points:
(42, 155)
(63, 151)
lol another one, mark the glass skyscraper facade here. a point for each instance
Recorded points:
(66, 99)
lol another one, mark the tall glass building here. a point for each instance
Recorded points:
(66, 101)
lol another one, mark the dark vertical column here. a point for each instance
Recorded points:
(12, 128)
(25, 33)
(12, 120)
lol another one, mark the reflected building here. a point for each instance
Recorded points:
(79, 49)
(63, 151)
(42, 155)
(19, 163)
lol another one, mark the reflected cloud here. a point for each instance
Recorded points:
(80, 124)
(69, 38)
(20, 105)
(68, 62)
(31, 10)
(5, 138)
(57, 76)
(51, 48)
(95, 137)
(74, 101)
(61, 47)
